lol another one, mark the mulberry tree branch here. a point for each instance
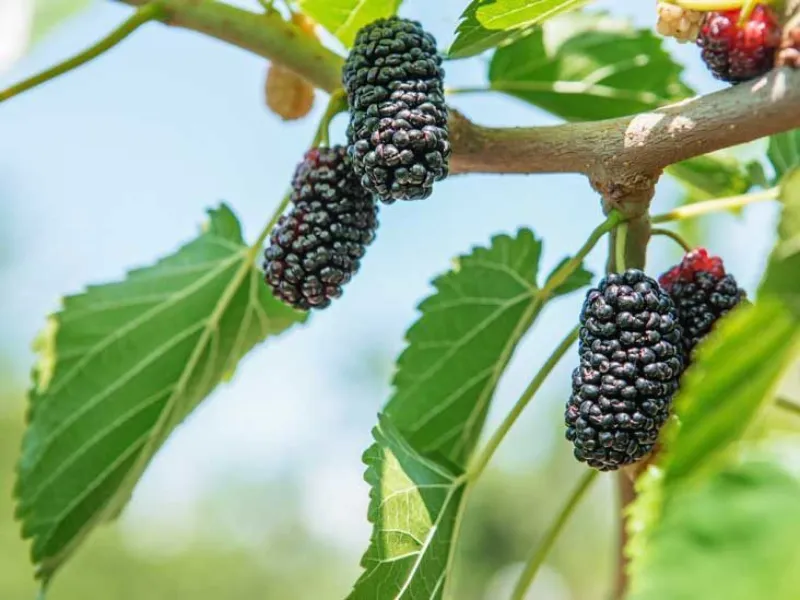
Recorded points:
(623, 157)
(615, 152)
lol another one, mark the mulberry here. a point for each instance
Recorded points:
(630, 364)
(702, 293)
(679, 23)
(316, 247)
(735, 53)
(286, 93)
(397, 134)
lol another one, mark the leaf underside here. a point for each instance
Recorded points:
(343, 18)
(589, 67)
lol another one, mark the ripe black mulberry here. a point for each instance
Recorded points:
(702, 293)
(736, 53)
(316, 247)
(397, 134)
(630, 364)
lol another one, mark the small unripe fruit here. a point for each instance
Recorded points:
(676, 22)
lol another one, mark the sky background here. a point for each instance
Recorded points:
(113, 166)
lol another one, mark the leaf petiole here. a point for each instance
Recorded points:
(712, 206)
(709, 5)
(673, 236)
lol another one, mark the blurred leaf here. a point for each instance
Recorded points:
(712, 176)
(734, 371)
(737, 370)
(343, 18)
(489, 23)
(782, 278)
(50, 13)
(730, 537)
(25, 22)
(588, 67)
(444, 384)
(784, 152)
(414, 506)
(577, 280)
(120, 367)
(16, 19)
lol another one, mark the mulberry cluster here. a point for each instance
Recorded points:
(702, 293)
(737, 53)
(316, 247)
(397, 134)
(676, 22)
(630, 364)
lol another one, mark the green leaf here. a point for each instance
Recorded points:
(730, 537)
(458, 349)
(489, 23)
(578, 279)
(712, 176)
(444, 384)
(784, 152)
(734, 373)
(121, 365)
(343, 18)
(782, 277)
(414, 507)
(589, 67)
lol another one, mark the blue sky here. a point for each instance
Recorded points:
(114, 165)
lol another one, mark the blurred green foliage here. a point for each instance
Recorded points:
(509, 511)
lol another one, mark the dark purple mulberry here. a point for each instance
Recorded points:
(702, 293)
(630, 364)
(398, 118)
(316, 247)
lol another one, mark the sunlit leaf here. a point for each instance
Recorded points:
(343, 18)
(489, 23)
(732, 536)
(734, 372)
(414, 507)
(587, 67)
(120, 366)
